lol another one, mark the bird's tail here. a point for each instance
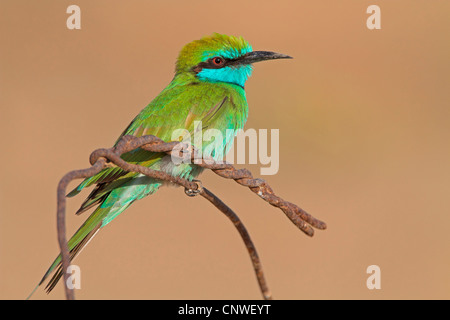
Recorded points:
(76, 244)
(110, 207)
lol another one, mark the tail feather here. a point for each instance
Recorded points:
(100, 193)
(111, 204)
(57, 264)
(73, 253)
(76, 244)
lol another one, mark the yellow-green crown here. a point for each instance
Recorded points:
(229, 47)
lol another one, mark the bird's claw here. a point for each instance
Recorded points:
(193, 193)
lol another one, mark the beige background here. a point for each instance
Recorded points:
(364, 145)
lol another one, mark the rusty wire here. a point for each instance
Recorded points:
(102, 158)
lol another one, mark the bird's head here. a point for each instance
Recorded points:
(221, 58)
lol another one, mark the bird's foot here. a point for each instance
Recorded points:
(192, 192)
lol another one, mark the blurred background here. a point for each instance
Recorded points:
(364, 145)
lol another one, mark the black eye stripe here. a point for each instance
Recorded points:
(209, 64)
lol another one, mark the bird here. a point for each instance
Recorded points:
(208, 88)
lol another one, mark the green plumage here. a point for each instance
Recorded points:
(201, 90)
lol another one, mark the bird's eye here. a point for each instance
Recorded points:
(218, 61)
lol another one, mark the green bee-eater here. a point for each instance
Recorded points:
(208, 86)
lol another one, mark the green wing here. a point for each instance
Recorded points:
(177, 107)
(218, 106)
